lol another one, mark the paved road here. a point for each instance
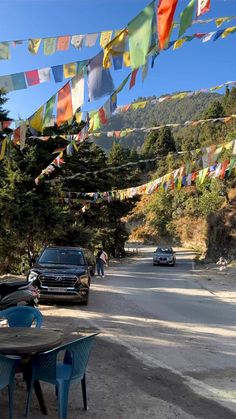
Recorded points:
(177, 333)
(165, 316)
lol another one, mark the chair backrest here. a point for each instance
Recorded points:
(22, 316)
(77, 355)
(7, 371)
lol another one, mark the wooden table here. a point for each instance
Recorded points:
(24, 342)
(27, 340)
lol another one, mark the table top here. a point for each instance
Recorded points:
(28, 340)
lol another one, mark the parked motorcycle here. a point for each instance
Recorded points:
(18, 293)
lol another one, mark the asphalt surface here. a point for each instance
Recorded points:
(167, 320)
(166, 348)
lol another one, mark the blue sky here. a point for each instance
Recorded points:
(194, 66)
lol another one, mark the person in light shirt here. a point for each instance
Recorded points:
(101, 261)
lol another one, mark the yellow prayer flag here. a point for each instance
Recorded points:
(115, 48)
(36, 121)
(228, 31)
(221, 20)
(3, 148)
(33, 45)
(126, 59)
(105, 38)
(78, 117)
(69, 70)
(179, 43)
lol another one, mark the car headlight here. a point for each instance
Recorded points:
(170, 258)
(83, 279)
(32, 276)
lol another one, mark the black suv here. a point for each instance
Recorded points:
(62, 274)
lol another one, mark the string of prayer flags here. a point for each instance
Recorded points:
(203, 6)
(165, 16)
(173, 180)
(186, 17)
(140, 34)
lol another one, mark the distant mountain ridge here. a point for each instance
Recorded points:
(167, 112)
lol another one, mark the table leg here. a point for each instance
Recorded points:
(39, 395)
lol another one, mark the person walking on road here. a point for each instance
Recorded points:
(101, 260)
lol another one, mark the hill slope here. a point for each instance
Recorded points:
(173, 111)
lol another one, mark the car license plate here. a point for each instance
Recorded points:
(57, 289)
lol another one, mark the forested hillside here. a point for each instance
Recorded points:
(173, 111)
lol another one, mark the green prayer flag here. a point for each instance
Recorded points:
(140, 31)
(4, 51)
(49, 111)
(49, 46)
(231, 165)
(186, 17)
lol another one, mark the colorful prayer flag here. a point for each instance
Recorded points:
(99, 80)
(32, 77)
(140, 34)
(36, 120)
(63, 43)
(49, 46)
(90, 39)
(49, 111)
(44, 74)
(77, 41)
(203, 6)
(133, 78)
(105, 38)
(33, 45)
(6, 83)
(18, 81)
(165, 15)
(57, 71)
(77, 92)
(186, 17)
(69, 70)
(64, 105)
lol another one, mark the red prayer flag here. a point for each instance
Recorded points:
(102, 116)
(203, 6)
(165, 16)
(133, 78)
(63, 43)
(224, 166)
(64, 105)
(32, 77)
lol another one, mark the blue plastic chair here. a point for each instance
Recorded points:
(46, 367)
(22, 316)
(7, 373)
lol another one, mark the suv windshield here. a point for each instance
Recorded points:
(163, 250)
(62, 256)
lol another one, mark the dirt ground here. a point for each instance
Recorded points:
(119, 386)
